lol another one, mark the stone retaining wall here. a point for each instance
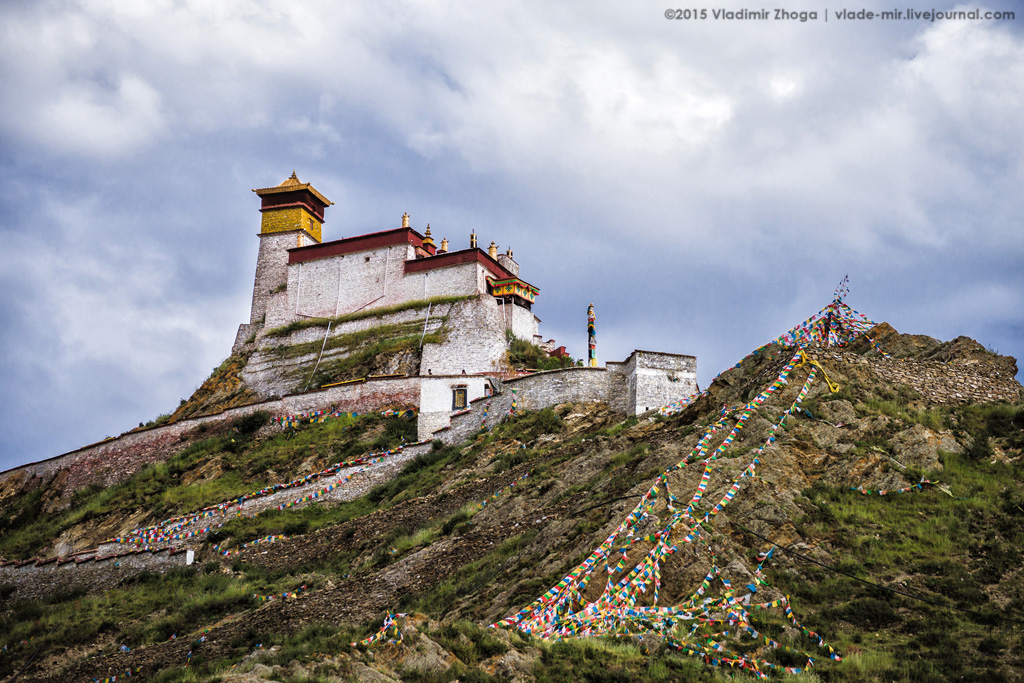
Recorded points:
(90, 571)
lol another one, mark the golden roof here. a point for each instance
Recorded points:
(291, 184)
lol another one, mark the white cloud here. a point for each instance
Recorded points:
(89, 118)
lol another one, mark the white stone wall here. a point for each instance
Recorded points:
(370, 279)
(278, 311)
(436, 399)
(509, 264)
(661, 378)
(457, 280)
(349, 282)
(475, 340)
(525, 324)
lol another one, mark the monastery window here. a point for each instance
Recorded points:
(366, 259)
(459, 397)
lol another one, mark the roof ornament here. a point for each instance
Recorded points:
(492, 250)
(427, 239)
(405, 219)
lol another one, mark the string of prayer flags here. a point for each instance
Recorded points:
(655, 529)
(389, 628)
(127, 674)
(842, 289)
(321, 416)
(279, 596)
(179, 528)
(503, 491)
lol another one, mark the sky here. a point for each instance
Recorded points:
(706, 183)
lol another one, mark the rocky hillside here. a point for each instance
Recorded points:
(879, 531)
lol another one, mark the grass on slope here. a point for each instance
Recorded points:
(961, 551)
(237, 464)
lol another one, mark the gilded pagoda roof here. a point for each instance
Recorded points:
(293, 184)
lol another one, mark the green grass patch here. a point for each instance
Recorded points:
(296, 325)
(949, 550)
(349, 340)
(525, 355)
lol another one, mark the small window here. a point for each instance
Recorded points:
(366, 259)
(459, 398)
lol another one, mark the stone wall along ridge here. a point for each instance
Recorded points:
(936, 382)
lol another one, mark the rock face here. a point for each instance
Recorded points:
(921, 447)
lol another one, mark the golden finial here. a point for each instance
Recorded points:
(444, 244)
(472, 240)
(427, 239)
(508, 252)
(405, 220)
(492, 251)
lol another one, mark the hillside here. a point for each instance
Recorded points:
(871, 520)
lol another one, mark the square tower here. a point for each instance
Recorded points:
(293, 215)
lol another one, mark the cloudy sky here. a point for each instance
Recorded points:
(706, 183)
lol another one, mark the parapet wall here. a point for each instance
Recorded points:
(534, 392)
(937, 382)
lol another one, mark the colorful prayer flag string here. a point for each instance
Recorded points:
(111, 679)
(629, 602)
(389, 628)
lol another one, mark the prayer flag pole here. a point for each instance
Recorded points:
(591, 337)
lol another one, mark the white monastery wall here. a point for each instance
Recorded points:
(437, 399)
(372, 278)
(475, 341)
(457, 280)
(525, 325)
(348, 282)
(661, 378)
